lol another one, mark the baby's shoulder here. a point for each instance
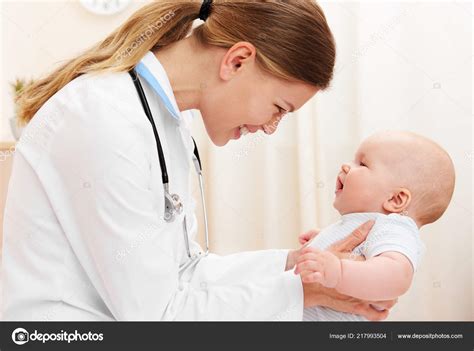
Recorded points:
(394, 224)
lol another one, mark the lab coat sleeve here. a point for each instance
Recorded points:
(242, 286)
(101, 166)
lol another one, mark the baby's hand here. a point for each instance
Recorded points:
(305, 238)
(316, 266)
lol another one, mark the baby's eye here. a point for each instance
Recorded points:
(363, 164)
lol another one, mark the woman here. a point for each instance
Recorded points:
(92, 242)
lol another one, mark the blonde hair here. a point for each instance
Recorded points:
(292, 38)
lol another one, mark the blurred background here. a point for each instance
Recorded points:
(401, 65)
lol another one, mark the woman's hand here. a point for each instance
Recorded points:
(342, 248)
(317, 295)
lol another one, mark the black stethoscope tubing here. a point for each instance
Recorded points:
(159, 148)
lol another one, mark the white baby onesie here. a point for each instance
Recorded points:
(391, 232)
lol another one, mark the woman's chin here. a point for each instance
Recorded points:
(221, 140)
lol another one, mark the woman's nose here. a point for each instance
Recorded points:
(272, 126)
(345, 167)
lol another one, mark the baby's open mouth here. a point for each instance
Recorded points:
(339, 184)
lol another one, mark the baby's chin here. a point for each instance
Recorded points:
(337, 206)
(346, 208)
(343, 208)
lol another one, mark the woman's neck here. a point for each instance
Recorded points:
(183, 62)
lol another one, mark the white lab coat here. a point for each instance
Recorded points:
(84, 235)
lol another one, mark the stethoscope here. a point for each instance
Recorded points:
(173, 204)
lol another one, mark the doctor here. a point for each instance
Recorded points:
(87, 233)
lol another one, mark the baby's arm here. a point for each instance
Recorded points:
(384, 277)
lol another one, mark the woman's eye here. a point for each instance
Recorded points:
(281, 110)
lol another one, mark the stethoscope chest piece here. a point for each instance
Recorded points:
(173, 206)
(173, 203)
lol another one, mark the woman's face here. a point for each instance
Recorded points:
(242, 94)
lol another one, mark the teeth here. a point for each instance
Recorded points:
(244, 130)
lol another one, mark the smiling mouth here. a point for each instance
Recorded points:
(243, 130)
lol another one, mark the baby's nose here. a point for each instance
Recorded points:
(345, 168)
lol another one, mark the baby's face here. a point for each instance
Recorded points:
(365, 183)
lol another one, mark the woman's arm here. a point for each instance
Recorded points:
(330, 298)
(260, 266)
(109, 202)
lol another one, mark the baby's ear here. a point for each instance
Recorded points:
(399, 200)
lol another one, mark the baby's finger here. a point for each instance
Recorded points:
(307, 257)
(315, 277)
(308, 253)
(308, 236)
(302, 239)
(305, 273)
(309, 249)
(308, 265)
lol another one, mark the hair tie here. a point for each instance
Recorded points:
(205, 10)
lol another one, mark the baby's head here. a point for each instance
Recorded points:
(397, 172)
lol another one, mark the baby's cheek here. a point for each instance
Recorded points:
(361, 189)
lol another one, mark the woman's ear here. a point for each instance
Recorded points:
(398, 201)
(236, 57)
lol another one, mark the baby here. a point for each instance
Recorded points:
(400, 180)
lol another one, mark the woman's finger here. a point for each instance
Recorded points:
(348, 256)
(308, 265)
(384, 305)
(372, 314)
(330, 298)
(355, 239)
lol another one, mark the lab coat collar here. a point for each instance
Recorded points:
(150, 69)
